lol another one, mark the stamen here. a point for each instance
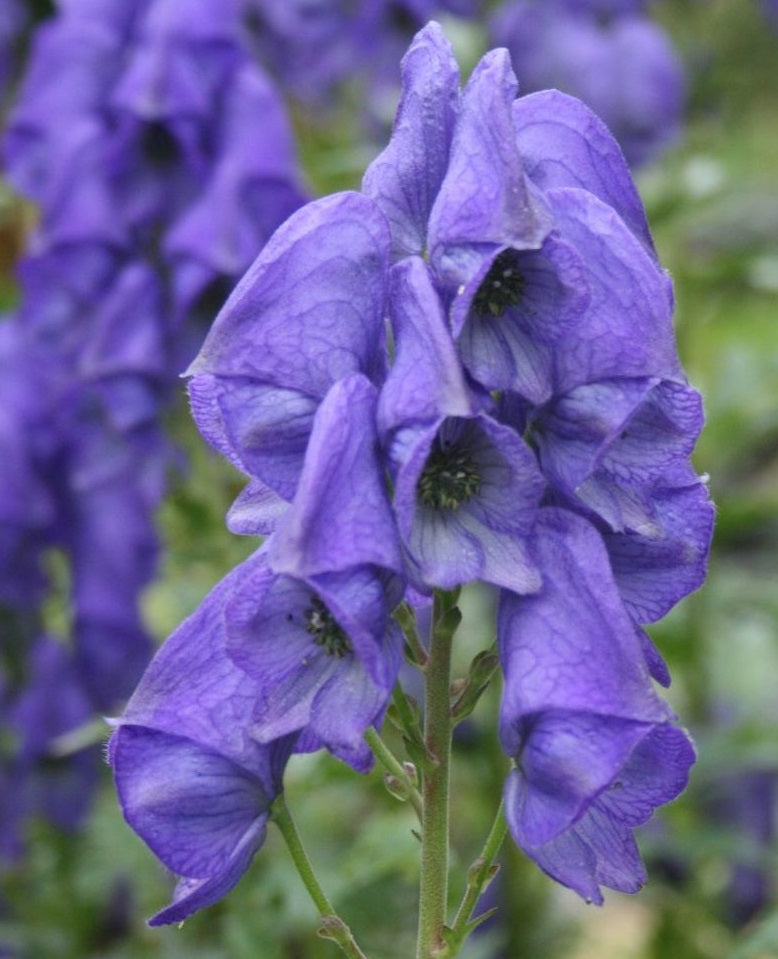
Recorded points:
(502, 287)
(326, 632)
(449, 478)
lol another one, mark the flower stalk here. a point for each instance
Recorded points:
(331, 925)
(433, 890)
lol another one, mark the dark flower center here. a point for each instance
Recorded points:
(502, 286)
(159, 146)
(449, 478)
(320, 623)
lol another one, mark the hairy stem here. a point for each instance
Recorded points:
(331, 926)
(435, 791)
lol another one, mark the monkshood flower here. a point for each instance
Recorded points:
(311, 624)
(617, 61)
(192, 781)
(465, 486)
(595, 748)
(294, 642)
(308, 312)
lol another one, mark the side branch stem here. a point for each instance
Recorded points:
(332, 926)
(481, 872)
(390, 762)
(438, 724)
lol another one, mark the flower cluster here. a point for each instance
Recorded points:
(607, 52)
(160, 157)
(466, 371)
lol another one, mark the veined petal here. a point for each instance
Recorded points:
(405, 178)
(310, 309)
(485, 197)
(654, 571)
(340, 516)
(564, 144)
(566, 760)
(426, 380)
(201, 813)
(571, 645)
(256, 510)
(192, 688)
(627, 330)
(262, 429)
(191, 805)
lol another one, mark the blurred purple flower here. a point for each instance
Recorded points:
(315, 46)
(39, 781)
(622, 66)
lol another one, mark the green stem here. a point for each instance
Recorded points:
(390, 762)
(478, 876)
(332, 926)
(433, 891)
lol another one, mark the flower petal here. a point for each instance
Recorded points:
(310, 309)
(405, 178)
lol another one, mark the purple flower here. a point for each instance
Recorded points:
(40, 782)
(294, 640)
(308, 312)
(487, 331)
(451, 180)
(466, 486)
(315, 46)
(594, 746)
(310, 623)
(623, 67)
(251, 189)
(192, 781)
